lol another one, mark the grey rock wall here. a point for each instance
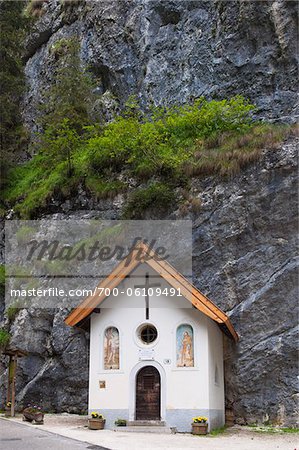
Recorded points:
(168, 51)
(244, 257)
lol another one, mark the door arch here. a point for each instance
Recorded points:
(148, 394)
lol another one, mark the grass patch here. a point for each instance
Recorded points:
(162, 150)
(226, 154)
(35, 8)
(272, 429)
(102, 189)
(290, 430)
(11, 312)
(218, 431)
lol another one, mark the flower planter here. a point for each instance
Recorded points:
(229, 418)
(28, 417)
(199, 428)
(7, 412)
(96, 424)
(37, 417)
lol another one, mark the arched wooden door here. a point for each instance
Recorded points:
(148, 394)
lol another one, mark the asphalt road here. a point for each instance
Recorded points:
(15, 436)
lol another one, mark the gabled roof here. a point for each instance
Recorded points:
(141, 253)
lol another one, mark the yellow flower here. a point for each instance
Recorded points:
(200, 419)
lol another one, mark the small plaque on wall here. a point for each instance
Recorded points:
(146, 354)
(102, 384)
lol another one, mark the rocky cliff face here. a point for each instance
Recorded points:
(245, 232)
(244, 258)
(170, 51)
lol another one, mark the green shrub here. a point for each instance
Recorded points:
(12, 311)
(35, 8)
(157, 195)
(25, 233)
(2, 279)
(4, 338)
(101, 188)
(13, 136)
(168, 145)
(120, 423)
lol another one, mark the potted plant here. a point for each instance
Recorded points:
(199, 425)
(120, 423)
(96, 422)
(33, 413)
(8, 409)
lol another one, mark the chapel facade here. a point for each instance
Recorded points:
(156, 348)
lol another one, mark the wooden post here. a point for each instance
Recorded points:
(12, 371)
(8, 395)
(13, 384)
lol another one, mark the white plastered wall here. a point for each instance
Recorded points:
(181, 388)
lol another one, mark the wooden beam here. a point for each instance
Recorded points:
(231, 329)
(172, 273)
(192, 294)
(116, 276)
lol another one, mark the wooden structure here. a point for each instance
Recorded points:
(141, 253)
(148, 394)
(13, 354)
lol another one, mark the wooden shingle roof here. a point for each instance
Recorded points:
(143, 254)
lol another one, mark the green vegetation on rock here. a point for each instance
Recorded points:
(2, 279)
(156, 194)
(160, 150)
(4, 338)
(12, 32)
(34, 8)
(206, 138)
(12, 311)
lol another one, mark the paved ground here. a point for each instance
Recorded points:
(16, 436)
(73, 426)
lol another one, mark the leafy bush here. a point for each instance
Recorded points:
(2, 279)
(13, 136)
(157, 195)
(12, 311)
(101, 188)
(4, 338)
(163, 148)
(120, 423)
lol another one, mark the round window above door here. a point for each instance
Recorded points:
(147, 333)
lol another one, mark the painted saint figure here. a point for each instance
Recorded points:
(185, 346)
(111, 349)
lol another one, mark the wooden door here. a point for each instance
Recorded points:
(148, 394)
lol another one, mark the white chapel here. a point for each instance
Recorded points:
(156, 347)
